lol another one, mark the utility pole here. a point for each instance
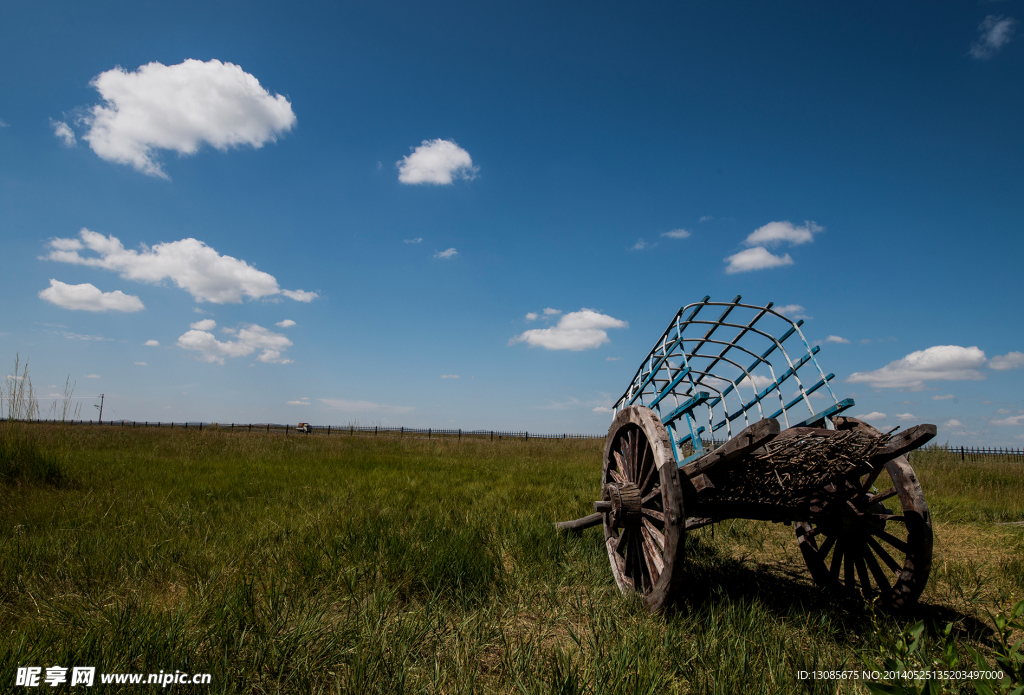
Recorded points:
(100, 406)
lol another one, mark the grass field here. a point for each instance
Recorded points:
(357, 564)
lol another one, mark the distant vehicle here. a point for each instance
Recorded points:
(305, 427)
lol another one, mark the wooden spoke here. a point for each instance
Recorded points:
(892, 540)
(848, 567)
(645, 550)
(827, 545)
(616, 476)
(881, 552)
(657, 535)
(862, 572)
(882, 496)
(654, 514)
(880, 579)
(655, 564)
(871, 477)
(837, 561)
(654, 496)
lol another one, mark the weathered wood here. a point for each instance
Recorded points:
(904, 442)
(701, 482)
(753, 437)
(581, 523)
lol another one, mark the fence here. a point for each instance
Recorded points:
(966, 453)
(331, 430)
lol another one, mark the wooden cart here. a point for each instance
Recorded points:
(859, 513)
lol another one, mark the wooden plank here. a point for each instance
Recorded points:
(753, 437)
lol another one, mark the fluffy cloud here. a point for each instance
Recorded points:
(602, 409)
(248, 340)
(793, 311)
(1010, 421)
(181, 108)
(88, 297)
(874, 416)
(189, 263)
(945, 397)
(1011, 360)
(152, 343)
(449, 376)
(995, 32)
(301, 401)
(552, 312)
(449, 253)
(531, 316)
(677, 234)
(938, 363)
(774, 233)
(952, 423)
(437, 162)
(63, 132)
(204, 325)
(413, 241)
(757, 258)
(837, 339)
(905, 417)
(577, 330)
(287, 323)
(640, 245)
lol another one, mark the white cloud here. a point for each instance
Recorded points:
(757, 258)
(1010, 421)
(577, 330)
(793, 311)
(552, 312)
(755, 381)
(1011, 360)
(204, 325)
(706, 218)
(141, 364)
(449, 376)
(437, 162)
(1003, 411)
(448, 253)
(3, 123)
(602, 409)
(413, 241)
(995, 32)
(678, 233)
(287, 323)
(306, 402)
(181, 108)
(837, 339)
(347, 406)
(92, 376)
(775, 233)
(152, 343)
(937, 363)
(612, 359)
(189, 263)
(872, 416)
(640, 245)
(63, 132)
(531, 316)
(300, 295)
(88, 297)
(946, 397)
(864, 341)
(952, 423)
(905, 417)
(248, 340)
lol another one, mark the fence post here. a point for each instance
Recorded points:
(526, 436)
(375, 430)
(328, 430)
(961, 453)
(428, 433)
(268, 428)
(460, 434)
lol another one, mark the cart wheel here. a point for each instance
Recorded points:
(645, 527)
(871, 534)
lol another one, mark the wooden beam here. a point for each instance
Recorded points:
(905, 441)
(753, 437)
(580, 524)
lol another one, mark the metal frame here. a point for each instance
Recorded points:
(693, 370)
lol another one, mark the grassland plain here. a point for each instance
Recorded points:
(361, 564)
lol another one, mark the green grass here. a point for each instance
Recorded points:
(359, 564)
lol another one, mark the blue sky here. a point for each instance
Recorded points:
(409, 184)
